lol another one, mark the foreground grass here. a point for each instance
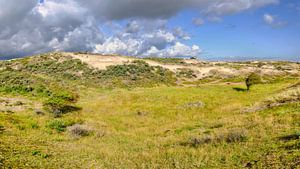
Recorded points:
(153, 128)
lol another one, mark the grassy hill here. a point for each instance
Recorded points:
(68, 110)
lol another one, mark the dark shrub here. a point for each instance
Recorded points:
(252, 79)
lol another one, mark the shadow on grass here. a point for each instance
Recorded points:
(239, 89)
(59, 111)
(294, 136)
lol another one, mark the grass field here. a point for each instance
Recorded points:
(159, 127)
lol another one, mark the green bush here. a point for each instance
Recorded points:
(59, 125)
(60, 104)
(253, 79)
(167, 60)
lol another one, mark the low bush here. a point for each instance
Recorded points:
(186, 73)
(167, 60)
(196, 142)
(61, 102)
(253, 79)
(59, 125)
(79, 130)
(232, 136)
(235, 135)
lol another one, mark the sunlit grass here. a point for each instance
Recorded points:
(145, 128)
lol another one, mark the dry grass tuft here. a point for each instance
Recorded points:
(231, 136)
(289, 96)
(79, 130)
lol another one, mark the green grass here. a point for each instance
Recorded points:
(137, 117)
(125, 138)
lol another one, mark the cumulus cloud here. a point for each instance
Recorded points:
(32, 26)
(178, 32)
(273, 21)
(177, 50)
(157, 43)
(51, 26)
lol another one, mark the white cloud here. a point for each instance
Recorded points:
(28, 27)
(269, 19)
(273, 21)
(159, 43)
(176, 50)
(181, 50)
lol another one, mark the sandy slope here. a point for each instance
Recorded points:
(202, 69)
(102, 61)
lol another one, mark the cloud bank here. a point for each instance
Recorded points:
(31, 26)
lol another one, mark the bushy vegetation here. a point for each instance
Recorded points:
(253, 79)
(59, 125)
(186, 73)
(61, 103)
(56, 66)
(137, 73)
(232, 136)
(167, 60)
(57, 99)
(79, 130)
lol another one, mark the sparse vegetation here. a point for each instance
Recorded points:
(186, 73)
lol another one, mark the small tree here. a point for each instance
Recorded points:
(252, 79)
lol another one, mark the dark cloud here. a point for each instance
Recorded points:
(123, 9)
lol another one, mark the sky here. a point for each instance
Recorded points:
(207, 29)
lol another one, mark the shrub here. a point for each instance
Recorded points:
(167, 60)
(196, 142)
(232, 136)
(61, 103)
(78, 130)
(236, 135)
(252, 79)
(186, 73)
(59, 125)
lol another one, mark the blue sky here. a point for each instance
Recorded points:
(246, 34)
(208, 29)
